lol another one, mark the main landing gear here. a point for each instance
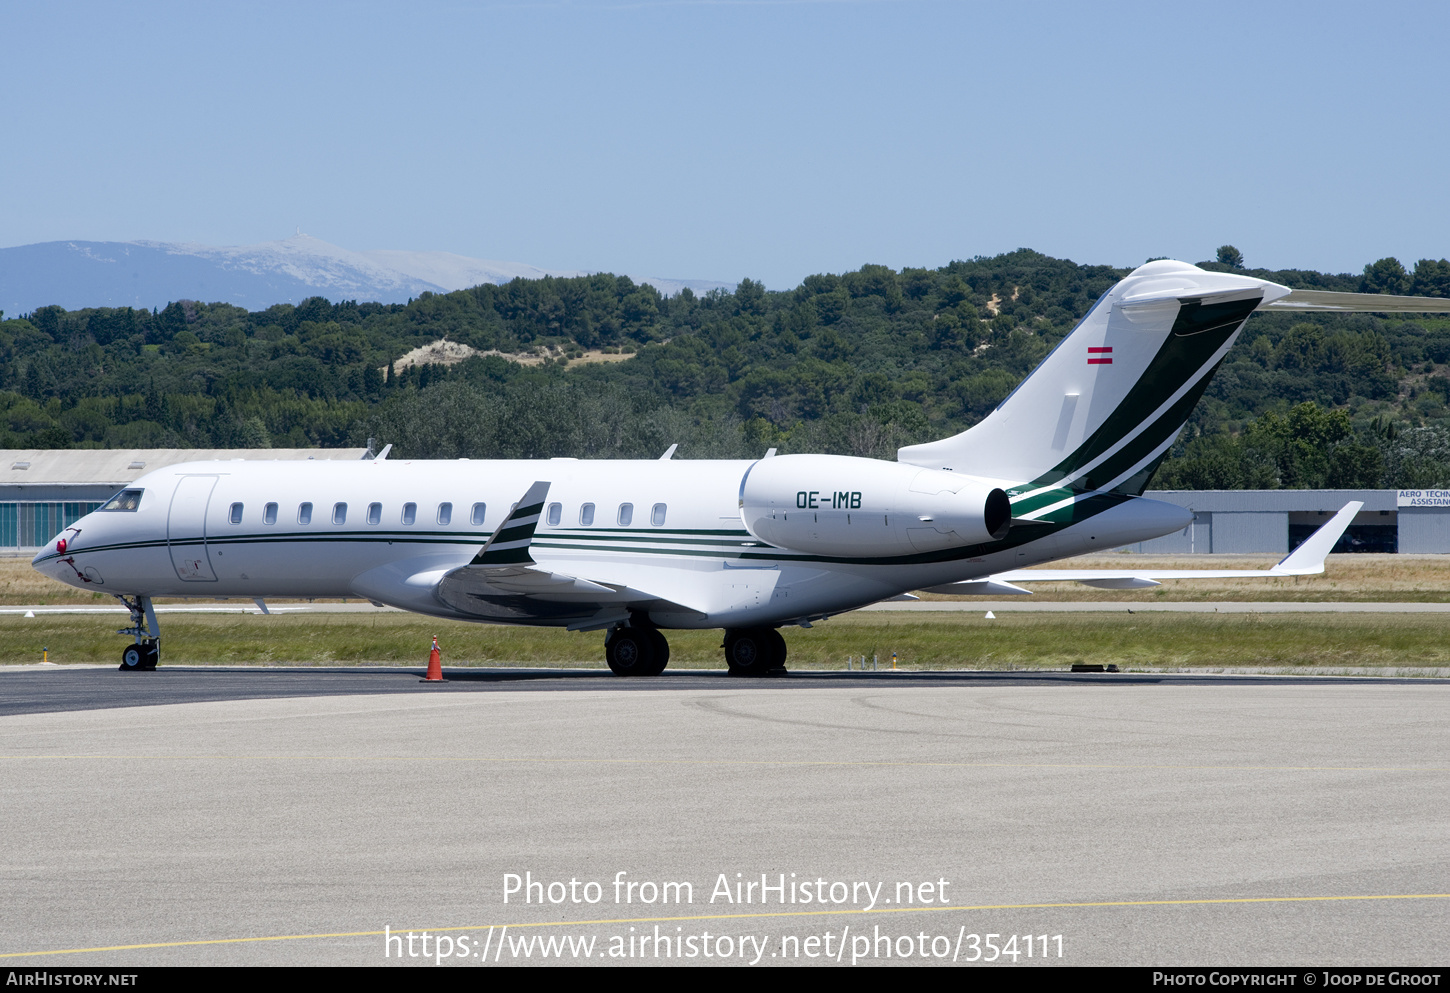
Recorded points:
(755, 652)
(636, 651)
(640, 650)
(144, 654)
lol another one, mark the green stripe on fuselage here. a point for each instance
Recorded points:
(1198, 332)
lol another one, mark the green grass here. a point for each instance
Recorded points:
(1017, 640)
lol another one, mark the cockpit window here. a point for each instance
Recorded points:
(125, 500)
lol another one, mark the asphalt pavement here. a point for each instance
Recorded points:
(261, 816)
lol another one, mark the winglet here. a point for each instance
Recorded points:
(1308, 558)
(509, 544)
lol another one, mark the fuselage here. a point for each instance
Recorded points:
(664, 537)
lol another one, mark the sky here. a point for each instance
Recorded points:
(726, 139)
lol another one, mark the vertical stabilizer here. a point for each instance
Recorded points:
(1102, 409)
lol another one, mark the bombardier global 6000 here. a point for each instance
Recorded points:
(638, 548)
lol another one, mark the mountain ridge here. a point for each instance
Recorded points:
(75, 274)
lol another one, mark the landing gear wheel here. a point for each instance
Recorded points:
(661, 652)
(140, 658)
(142, 655)
(754, 652)
(631, 652)
(133, 659)
(777, 650)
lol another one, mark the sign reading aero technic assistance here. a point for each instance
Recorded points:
(1422, 498)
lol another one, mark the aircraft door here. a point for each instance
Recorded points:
(186, 529)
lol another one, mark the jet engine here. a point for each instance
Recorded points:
(843, 506)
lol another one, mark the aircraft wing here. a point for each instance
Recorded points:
(1306, 560)
(504, 580)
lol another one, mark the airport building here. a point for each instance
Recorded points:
(45, 490)
(1276, 521)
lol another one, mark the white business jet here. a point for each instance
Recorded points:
(638, 547)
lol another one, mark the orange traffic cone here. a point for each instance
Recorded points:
(435, 665)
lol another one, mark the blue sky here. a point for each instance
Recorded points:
(726, 139)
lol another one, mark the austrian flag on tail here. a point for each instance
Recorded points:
(1100, 355)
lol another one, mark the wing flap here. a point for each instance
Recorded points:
(996, 586)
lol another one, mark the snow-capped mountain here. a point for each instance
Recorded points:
(77, 274)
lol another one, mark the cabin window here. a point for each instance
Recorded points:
(269, 514)
(556, 513)
(410, 513)
(304, 514)
(127, 500)
(626, 514)
(375, 513)
(235, 514)
(445, 513)
(586, 515)
(339, 513)
(657, 515)
(479, 509)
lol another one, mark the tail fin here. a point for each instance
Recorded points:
(1102, 409)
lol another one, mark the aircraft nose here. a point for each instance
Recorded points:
(47, 563)
(50, 560)
(45, 553)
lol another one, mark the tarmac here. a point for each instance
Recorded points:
(248, 816)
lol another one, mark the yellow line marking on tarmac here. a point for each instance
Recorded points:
(732, 917)
(655, 762)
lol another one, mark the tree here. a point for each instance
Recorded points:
(1307, 448)
(1228, 255)
(253, 434)
(1385, 276)
(750, 296)
(1432, 279)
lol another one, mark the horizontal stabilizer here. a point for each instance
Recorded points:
(1362, 303)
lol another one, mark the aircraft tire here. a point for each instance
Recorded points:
(661, 652)
(631, 652)
(753, 651)
(153, 655)
(133, 659)
(777, 648)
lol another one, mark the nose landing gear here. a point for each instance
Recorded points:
(146, 652)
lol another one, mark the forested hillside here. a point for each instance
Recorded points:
(858, 363)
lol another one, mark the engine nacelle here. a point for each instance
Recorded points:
(844, 506)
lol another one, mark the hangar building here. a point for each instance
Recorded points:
(1276, 521)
